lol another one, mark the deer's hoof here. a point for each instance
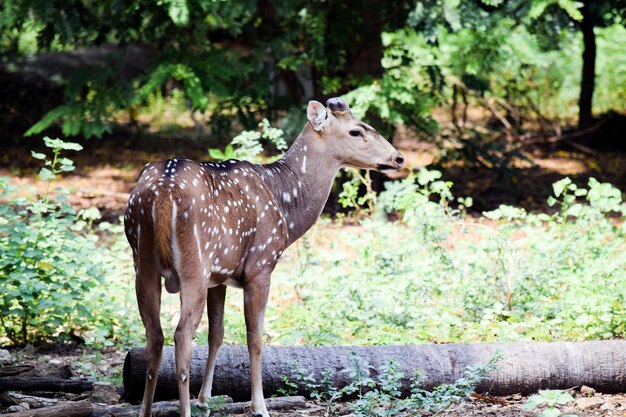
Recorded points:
(260, 412)
(202, 409)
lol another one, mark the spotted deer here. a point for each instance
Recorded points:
(206, 226)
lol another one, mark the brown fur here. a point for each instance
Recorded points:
(163, 231)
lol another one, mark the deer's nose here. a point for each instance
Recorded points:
(398, 160)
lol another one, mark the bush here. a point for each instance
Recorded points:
(440, 277)
(46, 264)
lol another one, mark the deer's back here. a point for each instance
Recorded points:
(225, 221)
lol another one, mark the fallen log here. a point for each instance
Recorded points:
(524, 367)
(64, 409)
(172, 408)
(15, 370)
(30, 384)
(13, 398)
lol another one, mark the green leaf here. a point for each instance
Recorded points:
(425, 176)
(572, 8)
(229, 151)
(216, 154)
(451, 14)
(559, 186)
(574, 211)
(60, 144)
(38, 155)
(178, 11)
(564, 398)
(46, 175)
(550, 412)
(50, 117)
(533, 402)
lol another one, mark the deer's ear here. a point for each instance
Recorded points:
(316, 113)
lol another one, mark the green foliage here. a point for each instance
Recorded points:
(213, 404)
(117, 321)
(406, 92)
(446, 394)
(46, 264)
(350, 197)
(381, 397)
(54, 270)
(569, 6)
(509, 276)
(549, 398)
(247, 145)
(245, 61)
(299, 378)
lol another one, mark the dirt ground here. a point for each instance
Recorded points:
(106, 365)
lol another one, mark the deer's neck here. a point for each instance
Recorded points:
(302, 180)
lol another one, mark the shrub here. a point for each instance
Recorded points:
(46, 258)
(437, 276)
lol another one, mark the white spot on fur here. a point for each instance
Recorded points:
(303, 168)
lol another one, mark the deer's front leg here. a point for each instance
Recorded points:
(255, 300)
(215, 310)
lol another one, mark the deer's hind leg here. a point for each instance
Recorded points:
(148, 289)
(192, 301)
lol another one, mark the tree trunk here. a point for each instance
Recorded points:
(585, 102)
(365, 55)
(524, 368)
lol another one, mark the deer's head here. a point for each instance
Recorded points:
(352, 142)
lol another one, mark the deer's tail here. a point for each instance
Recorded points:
(164, 221)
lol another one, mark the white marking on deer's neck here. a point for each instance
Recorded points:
(303, 168)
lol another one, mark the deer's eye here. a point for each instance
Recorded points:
(355, 133)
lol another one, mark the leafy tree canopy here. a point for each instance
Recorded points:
(256, 57)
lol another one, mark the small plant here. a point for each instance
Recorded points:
(447, 394)
(350, 197)
(212, 404)
(247, 145)
(299, 377)
(550, 399)
(382, 397)
(46, 258)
